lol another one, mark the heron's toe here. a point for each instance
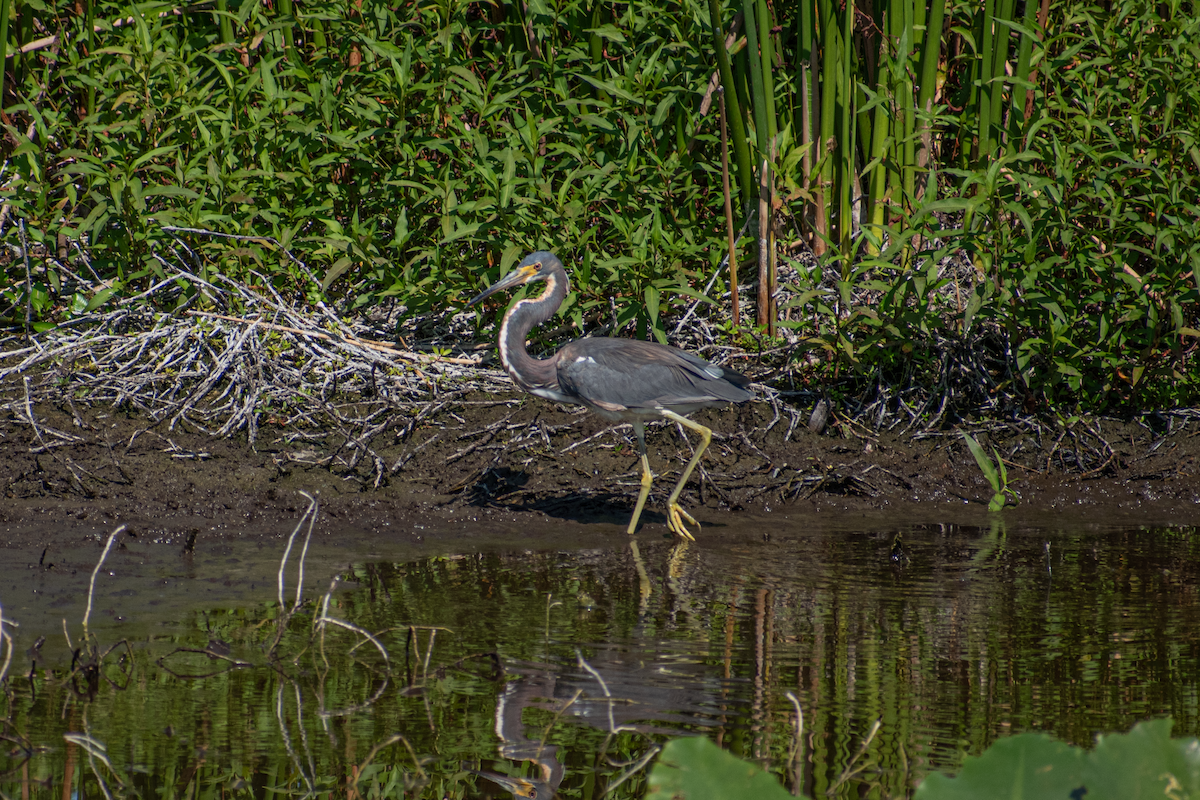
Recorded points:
(675, 517)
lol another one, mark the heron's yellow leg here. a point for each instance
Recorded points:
(647, 476)
(675, 513)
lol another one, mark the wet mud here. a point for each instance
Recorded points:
(480, 467)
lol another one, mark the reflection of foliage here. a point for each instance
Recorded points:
(729, 630)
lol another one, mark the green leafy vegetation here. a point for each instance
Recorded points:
(1087, 227)
(1146, 762)
(407, 152)
(997, 208)
(697, 769)
(995, 472)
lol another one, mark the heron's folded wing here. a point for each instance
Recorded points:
(634, 374)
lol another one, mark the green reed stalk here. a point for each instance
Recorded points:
(319, 43)
(14, 55)
(288, 12)
(1020, 94)
(596, 46)
(766, 61)
(916, 29)
(827, 13)
(225, 23)
(757, 17)
(806, 84)
(22, 62)
(732, 244)
(968, 124)
(983, 106)
(5, 8)
(931, 50)
(903, 173)
(876, 171)
(737, 124)
(845, 168)
(758, 98)
(766, 220)
(999, 78)
(89, 33)
(865, 58)
(1043, 18)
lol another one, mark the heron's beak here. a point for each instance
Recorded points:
(519, 276)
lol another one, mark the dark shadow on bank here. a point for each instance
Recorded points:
(505, 488)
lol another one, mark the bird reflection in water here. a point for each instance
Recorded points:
(529, 690)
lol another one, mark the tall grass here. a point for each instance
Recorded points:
(1073, 199)
(1089, 227)
(409, 154)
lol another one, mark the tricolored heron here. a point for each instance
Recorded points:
(619, 379)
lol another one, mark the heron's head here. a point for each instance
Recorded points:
(538, 266)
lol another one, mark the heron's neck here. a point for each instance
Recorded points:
(531, 373)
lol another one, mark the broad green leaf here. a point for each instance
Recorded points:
(1143, 764)
(1030, 766)
(696, 769)
(611, 88)
(100, 298)
(610, 32)
(651, 295)
(984, 462)
(339, 268)
(383, 48)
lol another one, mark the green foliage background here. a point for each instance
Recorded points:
(411, 153)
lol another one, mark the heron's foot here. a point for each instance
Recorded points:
(675, 517)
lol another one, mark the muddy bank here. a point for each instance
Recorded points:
(506, 462)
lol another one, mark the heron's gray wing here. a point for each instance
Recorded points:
(632, 374)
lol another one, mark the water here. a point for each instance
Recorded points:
(565, 667)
